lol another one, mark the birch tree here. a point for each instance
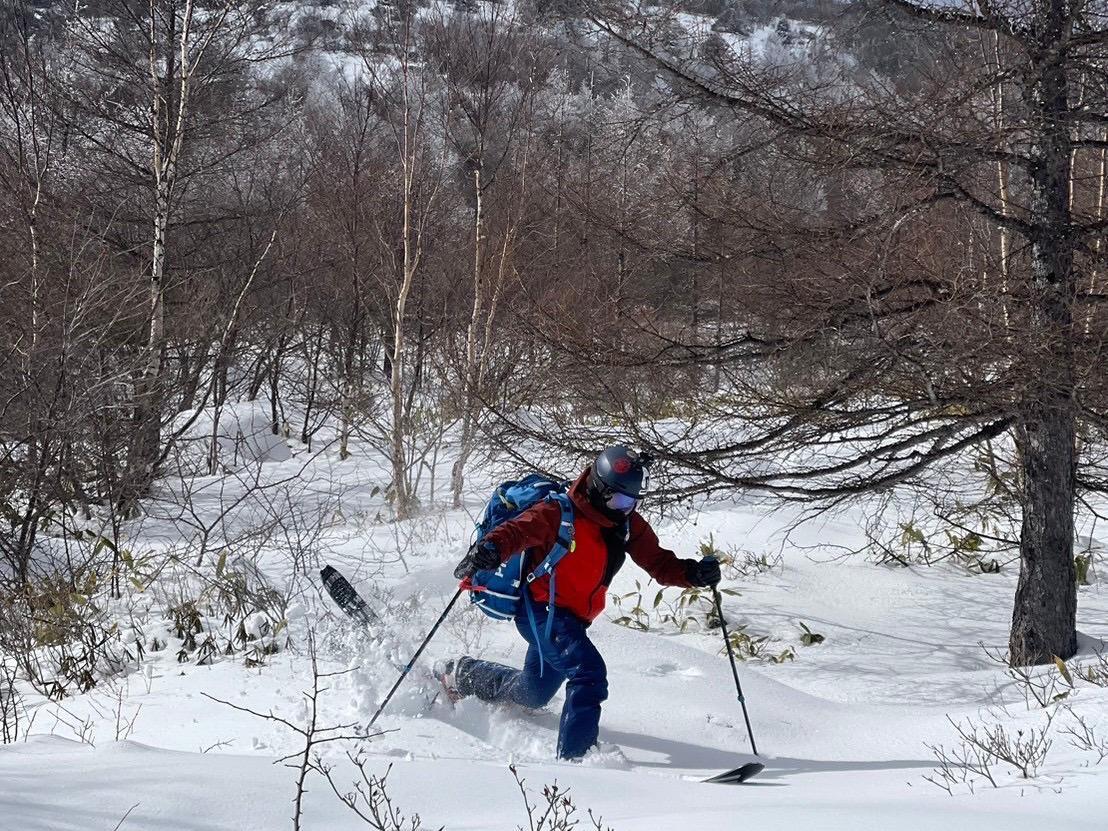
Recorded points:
(491, 70)
(404, 89)
(166, 88)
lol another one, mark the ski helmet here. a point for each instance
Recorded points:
(620, 470)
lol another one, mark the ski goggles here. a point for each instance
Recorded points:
(622, 502)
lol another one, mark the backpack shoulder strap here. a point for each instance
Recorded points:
(563, 544)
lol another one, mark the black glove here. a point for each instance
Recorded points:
(704, 573)
(481, 556)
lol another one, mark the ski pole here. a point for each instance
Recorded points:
(734, 669)
(415, 657)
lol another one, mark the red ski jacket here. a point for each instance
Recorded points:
(584, 574)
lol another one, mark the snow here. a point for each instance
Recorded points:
(244, 435)
(163, 789)
(844, 727)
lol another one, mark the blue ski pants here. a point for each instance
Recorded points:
(569, 657)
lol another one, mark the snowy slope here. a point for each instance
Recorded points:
(84, 788)
(843, 728)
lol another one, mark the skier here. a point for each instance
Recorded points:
(607, 527)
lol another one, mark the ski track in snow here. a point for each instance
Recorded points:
(843, 727)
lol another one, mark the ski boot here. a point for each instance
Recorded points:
(445, 671)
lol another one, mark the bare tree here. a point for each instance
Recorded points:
(399, 89)
(162, 89)
(491, 70)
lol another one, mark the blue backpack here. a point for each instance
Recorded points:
(500, 592)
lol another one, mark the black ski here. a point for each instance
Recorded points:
(738, 775)
(347, 597)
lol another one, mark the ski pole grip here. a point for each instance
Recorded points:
(465, 568)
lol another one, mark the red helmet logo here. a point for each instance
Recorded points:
(621, 466)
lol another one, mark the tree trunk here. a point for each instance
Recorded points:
(348, 384)
(1098, 246)
(1002, 182)
(412, 249)
(313, 384)
(1044, 620)
(469, 394)
(147, 400)
(170, 87)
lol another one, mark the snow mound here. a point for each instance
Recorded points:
(244, 438)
